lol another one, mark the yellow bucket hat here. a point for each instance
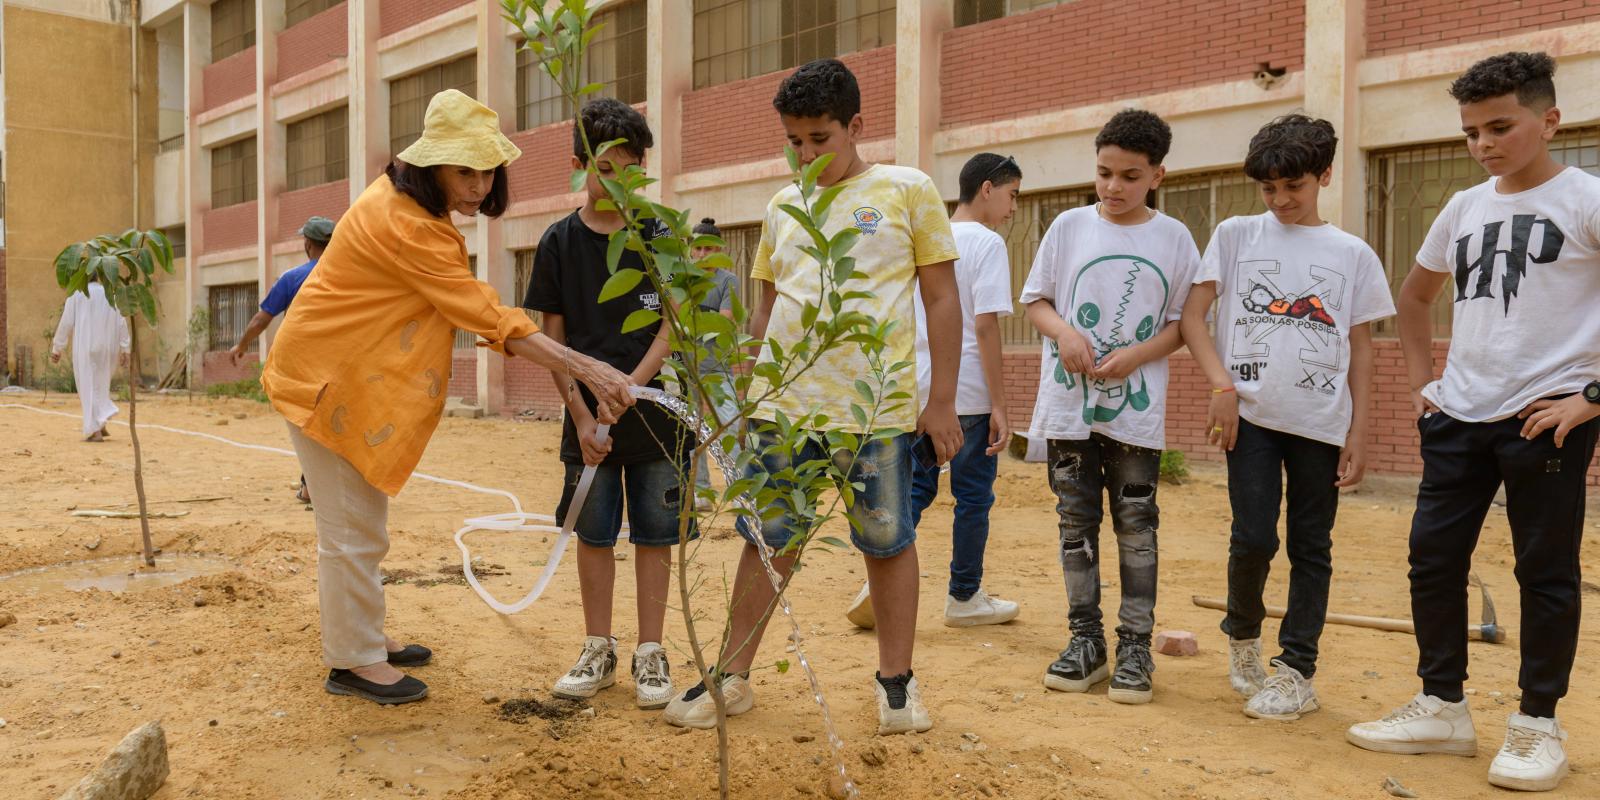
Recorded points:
(460, 131)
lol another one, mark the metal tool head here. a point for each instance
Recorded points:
(1490, 627)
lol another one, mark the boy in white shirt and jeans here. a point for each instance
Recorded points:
(1514, 406)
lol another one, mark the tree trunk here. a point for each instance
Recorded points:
(133, 433)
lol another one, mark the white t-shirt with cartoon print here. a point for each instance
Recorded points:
(1117, 285)
(1287, 297)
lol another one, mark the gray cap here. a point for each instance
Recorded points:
(318, 229)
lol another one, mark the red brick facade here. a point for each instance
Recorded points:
(328, 200)
(545, 164)
(529, 387)
(216, 367)
(1078, 53)
(1398, 25)
(229, 227)
(734, 122)
(229, 79)
(397, 15)
(464, 375)
(313, 42)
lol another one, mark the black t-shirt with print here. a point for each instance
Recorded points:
(569, 269)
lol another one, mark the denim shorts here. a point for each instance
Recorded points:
(882, 524)
(653, 490)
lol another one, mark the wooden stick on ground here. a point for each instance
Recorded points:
(1357, 621)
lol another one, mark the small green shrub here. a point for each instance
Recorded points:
(1174, 466)
(246, 388)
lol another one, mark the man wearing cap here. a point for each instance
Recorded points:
(318, 231)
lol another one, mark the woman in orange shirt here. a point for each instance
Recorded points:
(360, 366)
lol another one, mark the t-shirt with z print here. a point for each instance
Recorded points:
(903, 227)
(1117, 285)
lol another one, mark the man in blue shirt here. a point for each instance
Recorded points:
(317, 232)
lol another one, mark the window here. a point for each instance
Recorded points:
(233, 27)
(409, 96)
(298, 11)
(467, 340)
(523, 277)
(1202, 201)
(616, 60)
(742, 241)
(231, 308)
(969, 12)
(1035, 212)
(317, 149)
(233, 173)
(178, 236)
(735, 39)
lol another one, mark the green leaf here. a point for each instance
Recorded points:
(67, 262)
(579, 177)
(619, 240)
(642, 318)
(621, 282)
(834, 541)
(792, 157)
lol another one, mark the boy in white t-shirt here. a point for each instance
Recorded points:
(1290, 366)
(1106, 282)
(1514, 406)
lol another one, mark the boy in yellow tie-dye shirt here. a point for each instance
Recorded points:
(905, 239)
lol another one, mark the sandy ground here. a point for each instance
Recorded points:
(230, 662)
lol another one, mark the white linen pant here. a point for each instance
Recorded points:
(352, 539)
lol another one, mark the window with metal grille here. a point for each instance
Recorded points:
(231, 308)
(298, 11)
(735, 39)
(179, 237)
(409, 96)
(742, 241)
(1202, 201)
(970, 12)
(467, 340)
(522, 261)
(233, 27)
(317, 148)
(616, 61)
(1035, 212)
(233, 173)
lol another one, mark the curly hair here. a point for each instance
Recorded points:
(1137, 132)
(606, 119)
(1529, 75)
(821, 88)
(1289, 147)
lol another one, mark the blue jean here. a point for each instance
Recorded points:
(972, 473)
(654, 493)
(880, 514)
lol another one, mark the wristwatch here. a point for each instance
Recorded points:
(1591, 392)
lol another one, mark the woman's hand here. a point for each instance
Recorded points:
(608, 385)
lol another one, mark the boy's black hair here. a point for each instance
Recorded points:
(606, 119)
(420, 185)
(1529, 75)
(1291, 146)
(821, 88)
(997, 170)
(707, 226)
(1137, 131)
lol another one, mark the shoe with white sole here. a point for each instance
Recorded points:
(1424, 725)
(1286, 696)
(1534, 756)
(695, 708)
(652, 677)
(596, 669)
(979, 609)
(1132, 682)
(1245, 670)
(1080, 666)
(900, 708)
(860, 612)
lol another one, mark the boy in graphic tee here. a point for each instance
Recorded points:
(1290, 367)
(1514, 406)
(1106, 282)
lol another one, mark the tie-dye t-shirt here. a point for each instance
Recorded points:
(903, 226)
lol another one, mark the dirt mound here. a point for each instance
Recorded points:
(220, 589)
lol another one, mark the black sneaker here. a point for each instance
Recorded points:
(412, 655)
(1131, 682)
(1081, 665)
(406, 690)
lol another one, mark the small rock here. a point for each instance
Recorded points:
(490, 698)
(801, 788)
(875, 756)
(1261, 771)
(221, 422)
(199, 602)
(1371, 674)
(1496, 694)
(280, 714)
(1471, 691)
(836, 788)
(916, 747)
(45, 734)
(1018, 697)
(966, 747)
(1176, 643)
(133, 770)
(1055, 759)
(240, 416)
(94, 545)
(196, 649)
(593, 779)
(556, 765)
(212, 724)
(2, 723)
(802, 738)
(985, 790)
(588, 712)
(116, 654)
(970, 736)
(619, 554)
(1395, 788)
(7, 618)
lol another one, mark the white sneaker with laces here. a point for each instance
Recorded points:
(1424, 725)
(1286, 696)
(911, 717)
(1245, 670)
(596, 669)
(979, 609)
(695, 708)
(860, 611)
(1534, 756)
(652, 677)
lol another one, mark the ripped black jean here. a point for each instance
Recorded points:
(1081, 473)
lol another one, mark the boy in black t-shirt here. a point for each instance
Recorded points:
(640, 461)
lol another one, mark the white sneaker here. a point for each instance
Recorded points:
(652, 677)
(860, 611)
(695, 708)
(1286, 695)
(1534, 757)
(596, 669)
(1245, 671)
(979, 609)
(911, 717)
(1424, 725)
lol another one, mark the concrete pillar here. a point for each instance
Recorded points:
(1335, 39)
(196, 166)
(369, 98)
(918, 27)
(271, 155)
(497, 82)
(669, 52)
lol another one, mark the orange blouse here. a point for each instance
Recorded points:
(362, 361)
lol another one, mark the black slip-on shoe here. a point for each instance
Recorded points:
(406, 690)
(412, 655)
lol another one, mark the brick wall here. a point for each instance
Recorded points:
(328, 200)
(1079, 53)
(464, 375)
(216, 367)
(734, 122)
(229, 227)
(315, 41)
(397, 15)
(1397, 25)
(529, 387)
(229, 79)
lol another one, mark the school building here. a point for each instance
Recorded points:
(269, 111)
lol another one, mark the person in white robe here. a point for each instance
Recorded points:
(100, 342)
